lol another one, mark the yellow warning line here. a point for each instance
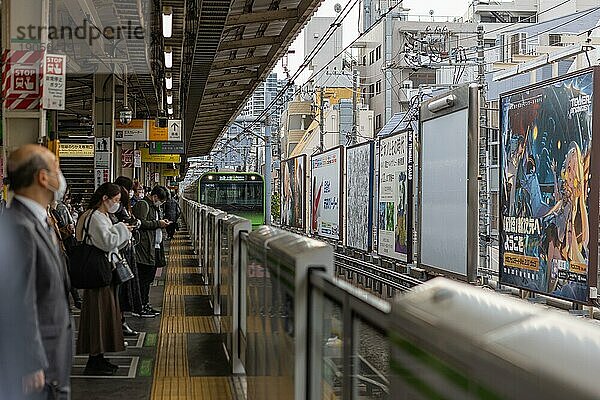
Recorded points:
(172, 380)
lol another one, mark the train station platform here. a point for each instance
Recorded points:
(262, 314)
(177, 355)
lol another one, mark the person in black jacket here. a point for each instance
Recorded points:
(172, 213)
(149, 252)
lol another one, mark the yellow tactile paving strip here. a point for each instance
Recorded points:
(172, 380)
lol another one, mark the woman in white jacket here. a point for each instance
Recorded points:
(100, 323)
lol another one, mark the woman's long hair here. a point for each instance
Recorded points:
(107, 189)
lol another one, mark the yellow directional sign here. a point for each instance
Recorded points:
(159, 158)
(170, 172)
(78, 150)
(157, 134)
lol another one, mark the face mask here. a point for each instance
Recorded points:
(62, 188)
(114, 208)
(158, 203)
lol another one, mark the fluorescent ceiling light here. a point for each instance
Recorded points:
(169, 98)
(168, 57)
(167, 19)
(169, 81)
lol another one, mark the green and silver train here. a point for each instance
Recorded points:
(238, 193)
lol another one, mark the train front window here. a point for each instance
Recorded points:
(227, 196)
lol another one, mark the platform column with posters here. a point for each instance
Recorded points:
(549, 185)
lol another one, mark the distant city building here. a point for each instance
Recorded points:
(333, 73)
(240, 146)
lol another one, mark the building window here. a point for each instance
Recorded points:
(364, 60)
(378, 53)
(371, 57)
(518, 44)
(371, 90)
(378, 87)
(494, 210)
(378, 124)
(555, 40)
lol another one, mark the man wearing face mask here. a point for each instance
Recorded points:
(149, 253)
(44, 323)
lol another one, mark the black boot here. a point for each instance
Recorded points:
(96, 366)
(110, 365)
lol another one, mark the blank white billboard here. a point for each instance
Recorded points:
(444, 192)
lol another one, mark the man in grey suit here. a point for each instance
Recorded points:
(39, 272)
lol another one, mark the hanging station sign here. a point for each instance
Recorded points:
(135, 131)
(159, 158)
(76, 150)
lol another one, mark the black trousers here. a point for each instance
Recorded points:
(146, 274)
(171, 229)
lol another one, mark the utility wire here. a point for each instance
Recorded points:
(307, 61)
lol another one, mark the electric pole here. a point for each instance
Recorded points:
(321, 121)
(354, 136)
(484, 225)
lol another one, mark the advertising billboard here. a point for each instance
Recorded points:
(359, 196)
(549, 192)
(444, 202)
(293, 192)
(326, 193)
(395, 196)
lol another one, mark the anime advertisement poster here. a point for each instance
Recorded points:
(359, 204)
(545, 188)
(293, 191)
(326, 190)
(395, 192)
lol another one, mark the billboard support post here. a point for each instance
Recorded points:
(268, 166)
(475, 179)
(484, 201)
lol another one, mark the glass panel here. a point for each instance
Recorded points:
(332, 336)
(233, 196)
(255, 335)
(370, 362)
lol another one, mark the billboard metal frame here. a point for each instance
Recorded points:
(594, 195)
(464, 97)
(341, 225)
(410, 195)
(371, 144)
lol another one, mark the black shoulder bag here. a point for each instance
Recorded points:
(90, 267)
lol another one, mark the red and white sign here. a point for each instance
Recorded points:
(22, 79)
(55, 82)
(127, 158)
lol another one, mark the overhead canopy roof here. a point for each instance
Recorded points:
(238, 44)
